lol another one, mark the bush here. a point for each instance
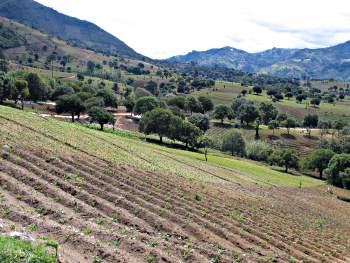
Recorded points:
(258, 150)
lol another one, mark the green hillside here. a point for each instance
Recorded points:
(77, 32)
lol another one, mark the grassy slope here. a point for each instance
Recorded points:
(141, 154)
(327, 111)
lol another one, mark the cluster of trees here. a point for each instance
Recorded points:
(86, 100)
(249, 113)
(23, 87)
(234, 143)
(336, 166)
(178, 105)
(165, 124)
(237, 76)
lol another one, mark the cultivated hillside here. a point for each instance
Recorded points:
(114, 198)
(77, 32)
(323, 63)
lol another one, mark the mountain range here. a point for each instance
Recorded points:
(323, 63)
(76, 32)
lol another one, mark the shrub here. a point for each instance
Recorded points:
(258, 150)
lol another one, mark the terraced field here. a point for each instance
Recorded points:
(113, 198)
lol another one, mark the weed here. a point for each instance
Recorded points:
(100, 221)
(87, 231)
(32, 228)
(115, 217)
(16, 250)
(116, 243)
(320, 222)
(151, 258)
(6, 212)
(152, 243)
(197, 197)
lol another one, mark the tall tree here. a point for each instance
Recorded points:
(71, 104)
(21, 91)
(101, 116)
(318, 159)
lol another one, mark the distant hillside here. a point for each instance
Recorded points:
(25, 46)
(77, 32)
(323, 63)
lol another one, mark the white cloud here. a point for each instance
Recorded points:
(163, 28)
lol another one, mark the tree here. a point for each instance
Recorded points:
(324, 126)
(315, 102)
(248, 113)
(152, 87)
(204, 142)
(193, 105)
(310, 121)
(61, 90)
(141, 92)
(299, 98)
(281, 117)
(244, 92)
(3, 62)
(207, 103)
(146, 104)
(257, 90)
(157, 121)
(101, 116)
(273, 125)
(318, 159)
(109, 97)
(200, 120)
(233, 142)
(94, 102)
(288, 124)
(189, 134)
(339, 125)
(268, 112)
(6, 87)
(237, 103)
(71, 104)
(338, 167)
(345, 178)
(286, 157)
(178, 101)
(129, 103)
(37, 88)
(222, 112)
(90, 66)
(21, 91)
(289, 95)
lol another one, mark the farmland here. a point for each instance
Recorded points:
(225, 92)
(116, 198)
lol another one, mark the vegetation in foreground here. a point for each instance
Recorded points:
(13, 250)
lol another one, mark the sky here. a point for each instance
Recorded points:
(165, 28)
